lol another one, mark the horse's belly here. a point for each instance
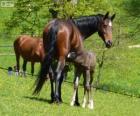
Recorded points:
(32, 58)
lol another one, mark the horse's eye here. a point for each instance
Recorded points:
(104, 26)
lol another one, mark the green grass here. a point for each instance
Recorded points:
(16, 99)
(121, 71)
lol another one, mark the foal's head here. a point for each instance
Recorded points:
(105, 29)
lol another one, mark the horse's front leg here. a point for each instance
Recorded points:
(58, 80)
(77, 75)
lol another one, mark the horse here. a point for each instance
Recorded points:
(84, 63)
(63, 36)
(30, 49)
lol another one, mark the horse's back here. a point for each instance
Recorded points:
(29, 48)
(68, 35)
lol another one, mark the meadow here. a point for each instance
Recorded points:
(16, 99)
(117, 94)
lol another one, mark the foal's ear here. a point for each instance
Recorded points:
(106, 15)
(113, 16)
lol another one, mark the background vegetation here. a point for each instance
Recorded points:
(119, 72)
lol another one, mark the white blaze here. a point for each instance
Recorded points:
(110, 23)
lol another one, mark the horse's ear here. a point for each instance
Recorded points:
(106, 15)
(113, 16)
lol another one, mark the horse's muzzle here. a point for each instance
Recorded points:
(108, 43)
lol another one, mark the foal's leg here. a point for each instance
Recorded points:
(84, 83)
(87, 89)
(87, 86)
(76, 82)
(24, 67)
(32, 68)
(91, 104)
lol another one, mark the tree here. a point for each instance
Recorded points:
(30, 16)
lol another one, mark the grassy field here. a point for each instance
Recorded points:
(16, 99)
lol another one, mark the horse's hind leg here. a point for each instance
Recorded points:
(60, 83)
(58, 80)
(51, 76)
(32, 68)
(24, 67)
(16, 49)
(17, 62)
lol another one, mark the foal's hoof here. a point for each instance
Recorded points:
(90, 106)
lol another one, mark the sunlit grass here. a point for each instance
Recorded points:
(16, 99)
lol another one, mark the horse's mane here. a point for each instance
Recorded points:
(87, 20)
(87, 24)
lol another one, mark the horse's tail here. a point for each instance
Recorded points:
(45, 66)
(15, 44)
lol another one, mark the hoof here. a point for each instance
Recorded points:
(91, 105)
(57, 101)
(76, 104)
(83, 105)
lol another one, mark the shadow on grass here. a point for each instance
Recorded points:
(38, 99)
(120, 88)
(43, 100)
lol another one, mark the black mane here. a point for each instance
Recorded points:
(87, 25)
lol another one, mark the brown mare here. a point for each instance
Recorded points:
(84, 64)
(30, 49)
(63, 36)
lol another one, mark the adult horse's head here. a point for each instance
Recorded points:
(102, 24)
(105, 29)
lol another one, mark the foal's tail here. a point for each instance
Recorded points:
(49, 48)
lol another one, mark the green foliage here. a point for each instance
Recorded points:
(30, 16)
(26, 16)
(133, 12)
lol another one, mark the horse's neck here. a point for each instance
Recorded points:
(87, 25)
